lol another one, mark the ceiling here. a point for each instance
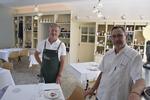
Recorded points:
(112, 9)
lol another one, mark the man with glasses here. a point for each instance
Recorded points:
(121, 71)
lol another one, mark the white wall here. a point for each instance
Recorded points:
(6, 27)
(74, 41)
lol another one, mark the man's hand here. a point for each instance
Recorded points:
(58, 79)
(134, 96)
(89, 92)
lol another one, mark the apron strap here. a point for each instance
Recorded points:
(59, 46)
(45, 45)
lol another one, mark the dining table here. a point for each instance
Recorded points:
(40, 91)
(4, 53)
(6, 80)
(33, 61)
(85, 72)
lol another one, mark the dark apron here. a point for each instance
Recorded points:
(50, 64)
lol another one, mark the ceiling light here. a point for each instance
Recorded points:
(123, 17)
(99, 14)
(36, 17)
(100, 5)
(36, 9)
(39, 14)
(141, 17)
(95, 10)
(98, 8)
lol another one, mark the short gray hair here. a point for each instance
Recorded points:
(54, 25)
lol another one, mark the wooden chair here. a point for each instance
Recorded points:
(77, 94)
(1, 62)
(13, 56)
(23, 53)
(7, 65)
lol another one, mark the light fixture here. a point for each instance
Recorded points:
(99, 14)
(76, 17)
(37, 12)
(141, 17)
(123, 17)
(98, 9)
(36, 17)
(36, 9)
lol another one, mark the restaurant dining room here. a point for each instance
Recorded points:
(74, 50)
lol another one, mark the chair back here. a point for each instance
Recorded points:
(24, 52)
(13, 55)
(77, 94)
(7, 65)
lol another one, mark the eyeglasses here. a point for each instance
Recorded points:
(117, 36)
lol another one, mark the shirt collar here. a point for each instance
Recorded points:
(122, 50)
(53, 42)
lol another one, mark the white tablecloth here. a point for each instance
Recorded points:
(33, 60)
(4, 53)
(5, 78)
(85, 71)
(32, 92)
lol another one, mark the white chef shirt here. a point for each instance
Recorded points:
(53, 46)
(119, 72)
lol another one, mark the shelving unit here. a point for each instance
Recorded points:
(130, 34)
(101, 39)
(34, 32)
(63, 20)
(135, 37)
(18, 30)
(139, 42)
(47, 19)
(27, 38)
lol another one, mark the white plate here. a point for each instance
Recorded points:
(52, 94)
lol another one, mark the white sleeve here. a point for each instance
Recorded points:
(136, 68)
(63, 49)
(101, 65)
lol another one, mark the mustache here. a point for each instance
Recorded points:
(118, 42)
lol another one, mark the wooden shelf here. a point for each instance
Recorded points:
(135, 35)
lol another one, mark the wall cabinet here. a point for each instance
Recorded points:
(27, 38)
(135, 37)
(26, 31)
(34, 32)
(31, 26)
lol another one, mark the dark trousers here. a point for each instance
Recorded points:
(96, 98)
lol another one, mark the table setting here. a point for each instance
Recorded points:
(39, 91)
